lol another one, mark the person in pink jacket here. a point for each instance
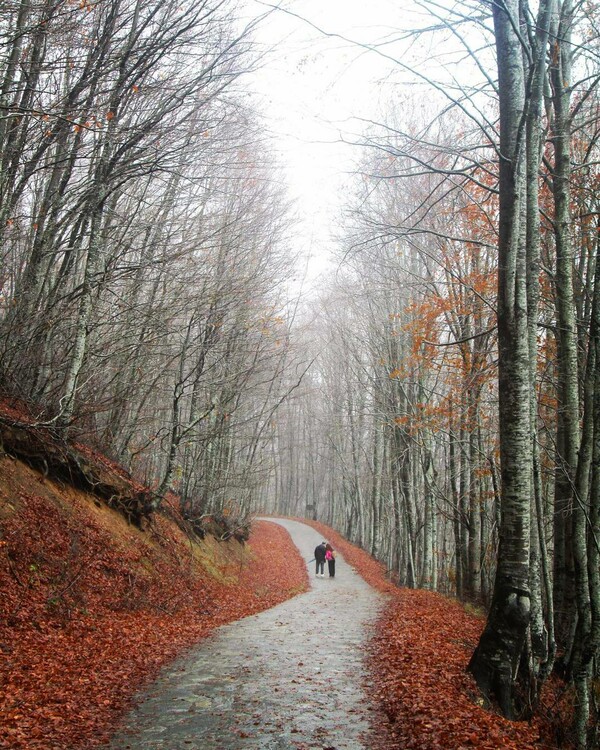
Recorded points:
(330, 558)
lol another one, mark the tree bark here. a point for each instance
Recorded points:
(495, 661)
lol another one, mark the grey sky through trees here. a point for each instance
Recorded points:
(312, 88)
(320, 89)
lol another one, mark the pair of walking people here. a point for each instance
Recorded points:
(324, 553)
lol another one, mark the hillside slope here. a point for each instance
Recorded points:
(91, 606)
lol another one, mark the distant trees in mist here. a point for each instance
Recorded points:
(451, 425)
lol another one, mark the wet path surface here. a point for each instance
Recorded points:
(288, 678)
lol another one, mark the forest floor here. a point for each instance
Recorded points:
(290, 678)
(418, 660)
(91, 609)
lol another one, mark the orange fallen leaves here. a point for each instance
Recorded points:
(86, 618)
(418, 659)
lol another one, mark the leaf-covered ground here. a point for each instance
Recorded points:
(418, 657)
(91, 608)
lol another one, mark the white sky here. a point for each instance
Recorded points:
(311, 87)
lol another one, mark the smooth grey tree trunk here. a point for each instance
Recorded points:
(496, 659)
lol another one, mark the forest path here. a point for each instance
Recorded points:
(289, 678)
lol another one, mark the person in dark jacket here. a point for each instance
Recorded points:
(320, 559)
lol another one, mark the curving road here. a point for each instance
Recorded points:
(291, 677)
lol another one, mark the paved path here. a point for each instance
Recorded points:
(287, 678)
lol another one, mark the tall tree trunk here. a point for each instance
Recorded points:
(568, 396)
(376, 510)
(474, 548)
(428, 568)
(592, 647)
(572, 481)
(496, 659)
(80, 339)
(542, 617)
(457, 522)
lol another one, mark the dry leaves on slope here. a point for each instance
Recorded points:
(86, 617)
